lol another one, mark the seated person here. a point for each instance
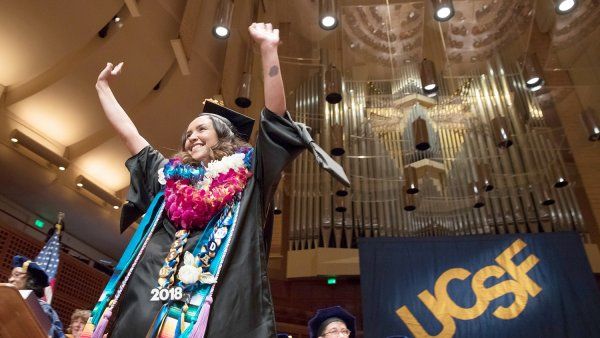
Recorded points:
(332, 322)
(26, 275)
(78, 320)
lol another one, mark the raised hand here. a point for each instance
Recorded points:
(109, 72)
(264, 34)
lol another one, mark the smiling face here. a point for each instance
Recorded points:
(77, 326)
(200, 138)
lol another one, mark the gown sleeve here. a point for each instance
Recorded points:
(279, 142)
(143, 168)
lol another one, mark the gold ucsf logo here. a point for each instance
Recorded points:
(445, 309)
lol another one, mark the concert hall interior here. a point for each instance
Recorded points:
(477, 119)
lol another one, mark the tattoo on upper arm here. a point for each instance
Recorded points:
(273, 71)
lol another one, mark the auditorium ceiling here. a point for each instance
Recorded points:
(52, 52)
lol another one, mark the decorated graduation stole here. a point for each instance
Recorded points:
(221, 185)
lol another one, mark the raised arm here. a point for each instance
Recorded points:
(267, 39)
(114, 112)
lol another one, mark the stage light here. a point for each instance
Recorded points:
(20, 139)
(85, 184)
(331, 281)
(411, 181)
(536, 88)
(501, 132)
(565, 6)
(421, 136)
(591, 124)
(532, 72)
(428, 80)
(222, 25)
(327, 14)
(333, 85)
(443, 10)
(243, 98)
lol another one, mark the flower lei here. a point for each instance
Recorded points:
(193, 195)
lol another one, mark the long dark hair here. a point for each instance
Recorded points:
(227, 144)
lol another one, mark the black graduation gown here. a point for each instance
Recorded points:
(242, 304)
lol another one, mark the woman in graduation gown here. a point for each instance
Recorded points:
(201, 238)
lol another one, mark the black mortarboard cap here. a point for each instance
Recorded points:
(38, 274)
(242, 123)
(323, 314)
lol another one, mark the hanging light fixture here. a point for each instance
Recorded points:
(565, 6)
(18, 138)
(428, 81)
(478, 200)
(501, 132)
(591, 124)
(222, 26)
(410, 203)
(340, 204)
(333, 85)
(337, 140)
(243, 97)
(545, 196)
(411, 181)
(484, 177)
(278, 201)
(419, 129)
(85, 184)
(443, 10)
(328, 19)
(558, 177)
(532, 72)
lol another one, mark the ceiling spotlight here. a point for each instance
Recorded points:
(327, 14)
(19, 139)
(565, 6)
(443, 10)
(536, 88)
(428, 81)
(243, 99)
(92, 188)
(533, 80)
(591, 123)
(532, 72)
(221, 27)
(501, 132)
(333, 85)
(61, 168)
(117, 19)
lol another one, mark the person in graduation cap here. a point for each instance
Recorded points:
(201, 238)
(27, 275)
(332, 322)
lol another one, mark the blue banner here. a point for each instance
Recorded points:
(528, 285)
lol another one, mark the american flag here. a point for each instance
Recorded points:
(47, 259)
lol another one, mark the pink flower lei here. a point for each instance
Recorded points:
(194, 197)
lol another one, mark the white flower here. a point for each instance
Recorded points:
(215, 168)
(161, 176)
(188, 274)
